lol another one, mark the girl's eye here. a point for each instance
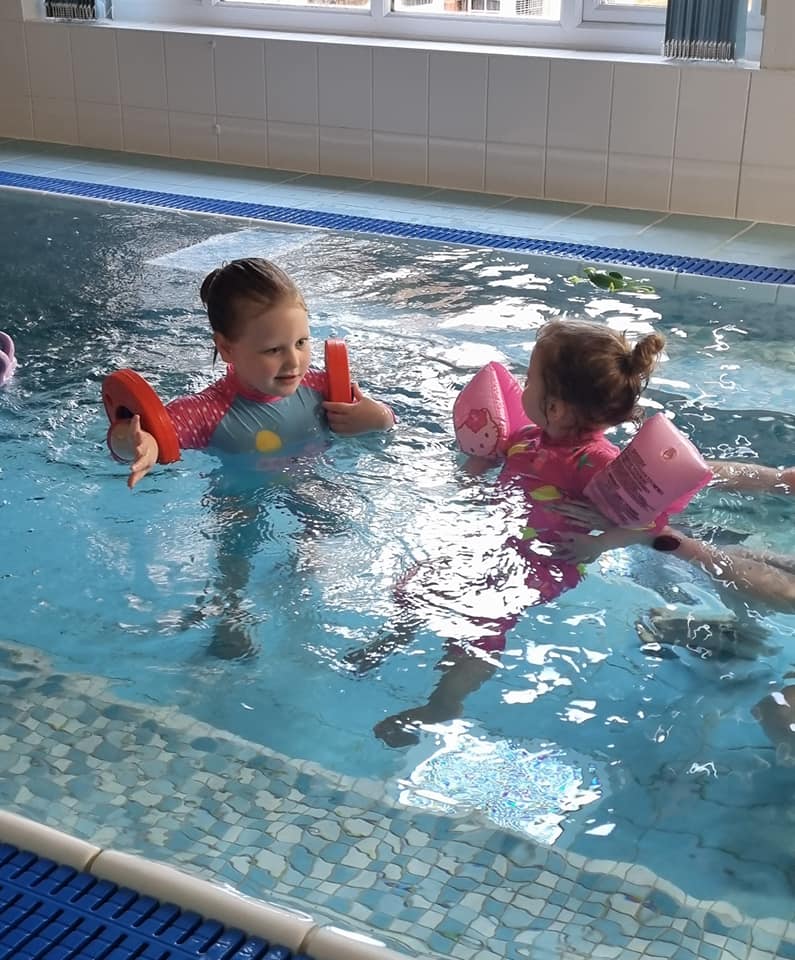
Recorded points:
(302, 342)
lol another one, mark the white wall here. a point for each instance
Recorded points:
(707, 139)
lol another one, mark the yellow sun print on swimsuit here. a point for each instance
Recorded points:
(266, 441)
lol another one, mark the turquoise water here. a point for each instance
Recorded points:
(158, 589)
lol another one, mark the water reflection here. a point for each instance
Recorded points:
(534, 788)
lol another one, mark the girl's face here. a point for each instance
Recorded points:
(549, 413)
(533, 396)
(271, 353)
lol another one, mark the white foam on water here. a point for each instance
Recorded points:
(223, 247)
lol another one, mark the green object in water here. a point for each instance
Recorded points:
(612, 281)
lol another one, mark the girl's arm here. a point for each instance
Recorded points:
(746, 572)
(756, 575)
(752, 477)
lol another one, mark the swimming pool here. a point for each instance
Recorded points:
(633, 756)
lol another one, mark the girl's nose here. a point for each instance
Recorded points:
(291, 359)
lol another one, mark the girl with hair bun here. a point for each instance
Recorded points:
(582, 379)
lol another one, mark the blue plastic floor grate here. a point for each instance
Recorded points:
(394, 228)
(52, 912)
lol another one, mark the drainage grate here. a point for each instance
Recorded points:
(52, 912)
(394, 228)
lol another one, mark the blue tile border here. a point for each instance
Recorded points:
(700, 266)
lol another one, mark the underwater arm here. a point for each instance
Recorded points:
(752, 477)
(586, 548)
(476, 466)
(760, 576)
(748, 573)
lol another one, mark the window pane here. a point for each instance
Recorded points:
(530, 9)
(304, 3)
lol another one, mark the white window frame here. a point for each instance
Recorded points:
(574, 31)
(756, 20)
(598, 11)
(380, 21)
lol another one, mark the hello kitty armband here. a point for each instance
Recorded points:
(487, 411)
(8, 359)
(658, 472)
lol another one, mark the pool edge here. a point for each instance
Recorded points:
(296, 930)
(757, 281)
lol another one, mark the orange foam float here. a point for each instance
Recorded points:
(126, 394)
(338, 372)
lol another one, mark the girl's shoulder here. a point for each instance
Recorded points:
(218, 392)
(522, 440)
(196, 415)
(316, 379)
(594, 453)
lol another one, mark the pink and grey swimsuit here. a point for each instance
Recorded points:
(229, 417)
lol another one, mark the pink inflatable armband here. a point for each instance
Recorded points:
(487, 411)
(659, 471)
(8, 360)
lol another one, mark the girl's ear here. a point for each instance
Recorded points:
(559, 415)
(552, 411)
(223, 346)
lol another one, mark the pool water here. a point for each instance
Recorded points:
(235, 593)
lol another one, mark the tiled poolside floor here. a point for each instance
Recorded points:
(724, 239)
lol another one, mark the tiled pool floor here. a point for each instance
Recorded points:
(157, 782)
(740, 241)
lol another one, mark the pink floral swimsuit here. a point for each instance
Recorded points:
(549, 471)
(476, 595)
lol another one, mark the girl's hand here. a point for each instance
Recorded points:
(578, 547)
(584, 548)
(135, 444)
(361, 416)
(581, 514)
(145, 452)
(475, 466)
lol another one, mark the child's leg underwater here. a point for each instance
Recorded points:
(462, 674)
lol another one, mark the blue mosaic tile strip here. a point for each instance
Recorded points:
(393, 228)
(54, 912)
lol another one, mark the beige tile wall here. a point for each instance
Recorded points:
(705, 138)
